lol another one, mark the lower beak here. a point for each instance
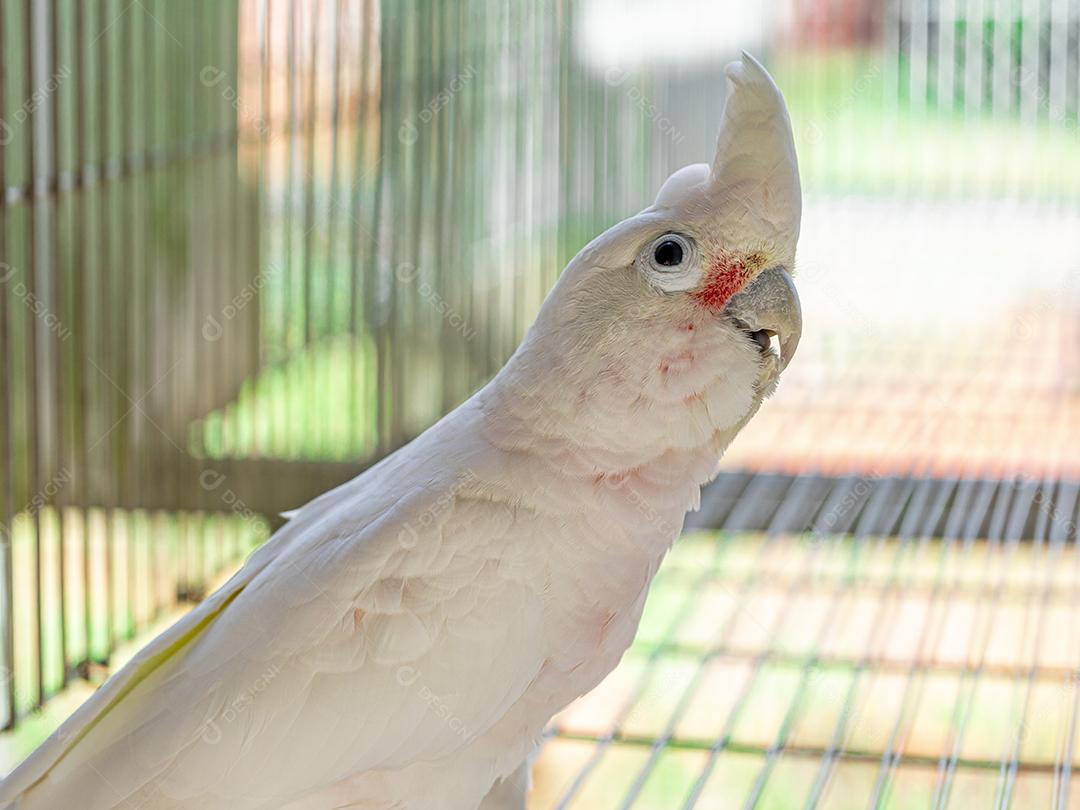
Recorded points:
(771, 303)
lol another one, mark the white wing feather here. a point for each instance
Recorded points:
(331, 653)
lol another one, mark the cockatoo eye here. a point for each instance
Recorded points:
(670, 252)
(670, 262)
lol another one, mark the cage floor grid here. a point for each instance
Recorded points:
(807, 671)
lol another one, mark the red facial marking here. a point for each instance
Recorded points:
(725, 277)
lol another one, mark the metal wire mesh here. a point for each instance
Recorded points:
(120, 220)
(866, 669)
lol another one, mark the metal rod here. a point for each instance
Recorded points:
(7, 467)
(58, 388)
(34, 400)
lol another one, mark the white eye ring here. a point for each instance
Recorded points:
(670, 260)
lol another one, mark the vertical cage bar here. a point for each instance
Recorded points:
(127, 434)
(81, 268)
(103, 227)
(57, 261)
(33, 404)
(7, 470)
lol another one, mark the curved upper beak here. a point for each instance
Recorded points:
(771, 302)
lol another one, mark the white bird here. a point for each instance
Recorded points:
(401, 643)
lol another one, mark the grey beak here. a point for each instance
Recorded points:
(770, 302)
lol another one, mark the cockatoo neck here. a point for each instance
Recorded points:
(666, 389)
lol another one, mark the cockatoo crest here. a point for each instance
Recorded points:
(751, 188)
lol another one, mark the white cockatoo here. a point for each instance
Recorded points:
(401, 642)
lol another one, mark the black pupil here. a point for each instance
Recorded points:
(668, 253)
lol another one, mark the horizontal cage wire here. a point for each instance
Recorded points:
(250, 247)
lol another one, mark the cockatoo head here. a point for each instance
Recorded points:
(667, 318)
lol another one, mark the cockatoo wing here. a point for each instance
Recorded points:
(368, 634)
(169, 644)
